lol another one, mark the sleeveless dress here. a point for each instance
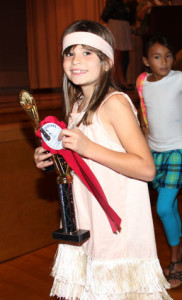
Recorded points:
(110, 266)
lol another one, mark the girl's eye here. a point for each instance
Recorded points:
(68, 54)
(156, 56)
(169, 55)
(87, 53)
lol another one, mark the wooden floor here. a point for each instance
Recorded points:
(28, 277)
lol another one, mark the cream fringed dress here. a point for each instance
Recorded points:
(110, 266)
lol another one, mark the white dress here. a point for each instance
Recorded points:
(110, 266)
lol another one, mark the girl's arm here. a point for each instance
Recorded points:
(144, 10)
(119, 120)
(142, 124)
(159, 3)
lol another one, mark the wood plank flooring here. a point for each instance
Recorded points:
(28, 277)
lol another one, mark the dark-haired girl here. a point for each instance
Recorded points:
(160, 92)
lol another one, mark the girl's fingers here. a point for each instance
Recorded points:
(64, 132)
(42, 158)
(44, 164)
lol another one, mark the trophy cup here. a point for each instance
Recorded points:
(69, 231)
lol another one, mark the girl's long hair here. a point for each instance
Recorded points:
(72, 93)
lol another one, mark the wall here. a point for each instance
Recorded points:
(13, 50)
(29, 207)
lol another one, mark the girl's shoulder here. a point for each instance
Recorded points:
(116, 96)
(176, 73)
(141, 78)
(117, 99)
(176, 79)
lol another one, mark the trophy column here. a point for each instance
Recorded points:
(69, 231)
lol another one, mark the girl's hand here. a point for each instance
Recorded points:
(75, 140)
(42, 158)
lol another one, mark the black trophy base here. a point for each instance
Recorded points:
(79, 236)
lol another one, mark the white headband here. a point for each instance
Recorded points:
(90, 39)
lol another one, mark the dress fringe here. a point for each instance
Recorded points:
(78, 276)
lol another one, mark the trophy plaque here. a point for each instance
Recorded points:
(50, 132)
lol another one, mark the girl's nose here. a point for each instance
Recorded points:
(76, 59)
(164, 60)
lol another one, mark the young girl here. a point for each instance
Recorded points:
(104, 130)
(161, 102)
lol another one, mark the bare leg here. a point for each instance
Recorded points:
(176, 252)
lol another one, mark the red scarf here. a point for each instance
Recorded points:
(79, 166)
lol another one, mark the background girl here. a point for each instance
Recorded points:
(104, 130)
(117, 15)
(161, 102)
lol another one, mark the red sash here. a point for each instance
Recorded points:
(79, 166)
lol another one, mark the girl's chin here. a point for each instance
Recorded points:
(164, 71)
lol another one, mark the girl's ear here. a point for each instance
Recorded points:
(145, 61)
(108, 65)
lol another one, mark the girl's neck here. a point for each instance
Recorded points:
(83, 103)
(153, 78)
(85, 98)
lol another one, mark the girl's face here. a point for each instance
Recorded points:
(160, 60)
(82, 67)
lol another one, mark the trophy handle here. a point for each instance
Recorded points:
(28, 103)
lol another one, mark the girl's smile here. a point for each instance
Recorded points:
(78, 72)
(160, 60)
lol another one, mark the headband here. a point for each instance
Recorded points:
(90, 39)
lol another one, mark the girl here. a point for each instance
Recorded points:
(104, 130)
(161, 103)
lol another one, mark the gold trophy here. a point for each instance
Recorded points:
(69, 231)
